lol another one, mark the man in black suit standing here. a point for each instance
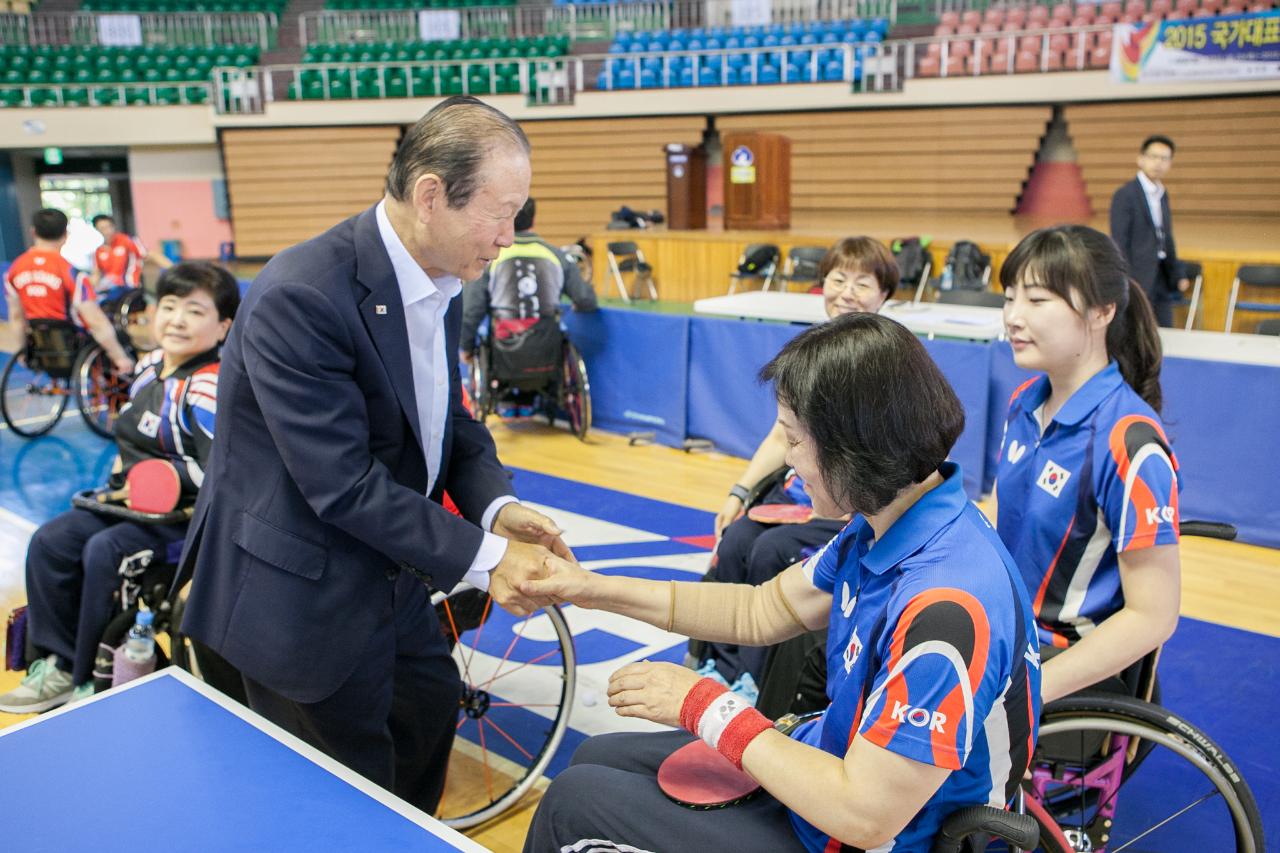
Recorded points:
(1142, 226)
(319, 528)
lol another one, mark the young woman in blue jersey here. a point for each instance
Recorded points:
(858, 275)
(933, 682)
(1087, 485)
(73, 560)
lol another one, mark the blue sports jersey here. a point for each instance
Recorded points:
(1101, 480)
(926, 656)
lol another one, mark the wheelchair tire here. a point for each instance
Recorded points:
(1181, 773)
(99, 391)
(31, 401)
(503, 744)
(575, 391)
(479, 386)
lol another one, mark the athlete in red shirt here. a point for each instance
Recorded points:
(42, 285)
(120, 258)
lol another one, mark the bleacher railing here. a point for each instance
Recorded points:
(981, 45)
(578, 21)
(169, 28)
(130, 93)
(874, 64)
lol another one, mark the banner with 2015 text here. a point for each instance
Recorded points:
(1228, 47)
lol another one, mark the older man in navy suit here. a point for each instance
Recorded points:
(319, 527)
(1142, 226)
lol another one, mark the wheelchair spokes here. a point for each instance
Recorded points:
(31, 400)
(518, 679)
(1121, 774)
(100, 391)
(575, 391)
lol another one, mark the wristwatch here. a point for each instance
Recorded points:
(740, 492)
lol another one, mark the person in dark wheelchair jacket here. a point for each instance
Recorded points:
(520, 292)
(72, 561)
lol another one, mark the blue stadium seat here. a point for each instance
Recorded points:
(708, 77)
(714, 62)
(619, 47)
(738, 61)
(651, 63)
(750, 41)
(714, 43)
(648, 79)
(676, 43)
(732, 77)
(624, 79)
(799, 74)
(686, 76)
(833, 71)
(656, 47)
(602, 80)
(799, 57)
(695, 44)
(788, 40)
(732, 42)
(769, 74)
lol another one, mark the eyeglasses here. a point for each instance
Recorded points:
(850, 283)
(1163, 158)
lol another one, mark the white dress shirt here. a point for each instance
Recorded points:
(1154, 193)
(425, 303)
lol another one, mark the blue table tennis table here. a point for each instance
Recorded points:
(166, 762)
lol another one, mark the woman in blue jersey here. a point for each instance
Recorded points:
(1087, 485)
(858, 275)
(73, 560)
(933, 684)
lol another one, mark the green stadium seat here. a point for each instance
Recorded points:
(105, 95)
(196, 94)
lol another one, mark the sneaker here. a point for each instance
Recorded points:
(745, 686)
(84, 691)
(44, 687)
(708, 670)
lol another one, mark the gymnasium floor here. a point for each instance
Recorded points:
(647, 510)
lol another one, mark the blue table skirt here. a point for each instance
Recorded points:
(685, 377)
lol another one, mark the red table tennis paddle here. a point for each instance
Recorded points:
(780, 513)
(152, 486)
(698, 777)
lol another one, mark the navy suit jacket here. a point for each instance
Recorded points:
(314, 497)
(1134, 232)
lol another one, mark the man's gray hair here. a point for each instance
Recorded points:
(452, 141)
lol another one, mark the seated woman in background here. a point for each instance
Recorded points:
(1087, 484)
(858, 276)
(934, 688)
(73, 560)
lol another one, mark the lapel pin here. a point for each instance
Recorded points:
(379, 309)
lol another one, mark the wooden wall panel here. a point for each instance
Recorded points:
(584, 169)
(1227, 157)
(289, 184)
(964, 161)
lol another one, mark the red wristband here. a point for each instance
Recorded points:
(696, 701)
(743, 729)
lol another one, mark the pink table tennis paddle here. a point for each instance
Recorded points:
(698, 777)
(780, 513)
(152, 486)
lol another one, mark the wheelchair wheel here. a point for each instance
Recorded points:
(31, 400)
(518, 680)
(1185, 794)
(479, 388)
(99, 390)
(575, 391)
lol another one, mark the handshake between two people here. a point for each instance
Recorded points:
(536, 569)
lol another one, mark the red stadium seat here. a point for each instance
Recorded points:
(1016, 15)
(1211, 7)
(977, 64)
(1232, 9)
(928, 66)
(993, 16)
(989, 27)
(971, 17)
(957, 66)
(960, 47)
(1029, 44)
(1053, 61)
(1060, 42)
(1136, 8)
(999, 63)
(1104, 39)
(1100, 58)
(1260, 7)
(1130, 18)
(1013, 26)
(1162, 7)
(1081, 22)
(950, 19)
(1187, 7)
(1026, 62)
(1175, 15)
(1114, 9)
(967, 30)
(1062, 12)
(933, 48)
(1037, 16)
(1081, 43)
(1085, 12)
(943, 30)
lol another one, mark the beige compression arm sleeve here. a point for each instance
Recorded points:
(733, 613)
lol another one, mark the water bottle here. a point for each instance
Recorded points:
(947, 278)
(137, 656)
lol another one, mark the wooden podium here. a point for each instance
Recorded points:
(757, 181)
(686, 187)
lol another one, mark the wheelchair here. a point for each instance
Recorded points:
(554, 378)
(60, 362)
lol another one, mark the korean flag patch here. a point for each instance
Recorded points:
(149, 424)
(1053, 478)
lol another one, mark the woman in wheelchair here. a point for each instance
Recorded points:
(933, 698)
(1087, 485)
(858, 275)
(72, 561)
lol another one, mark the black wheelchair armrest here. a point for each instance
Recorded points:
(1208, 530)
(1020, 830)
(88, 499)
